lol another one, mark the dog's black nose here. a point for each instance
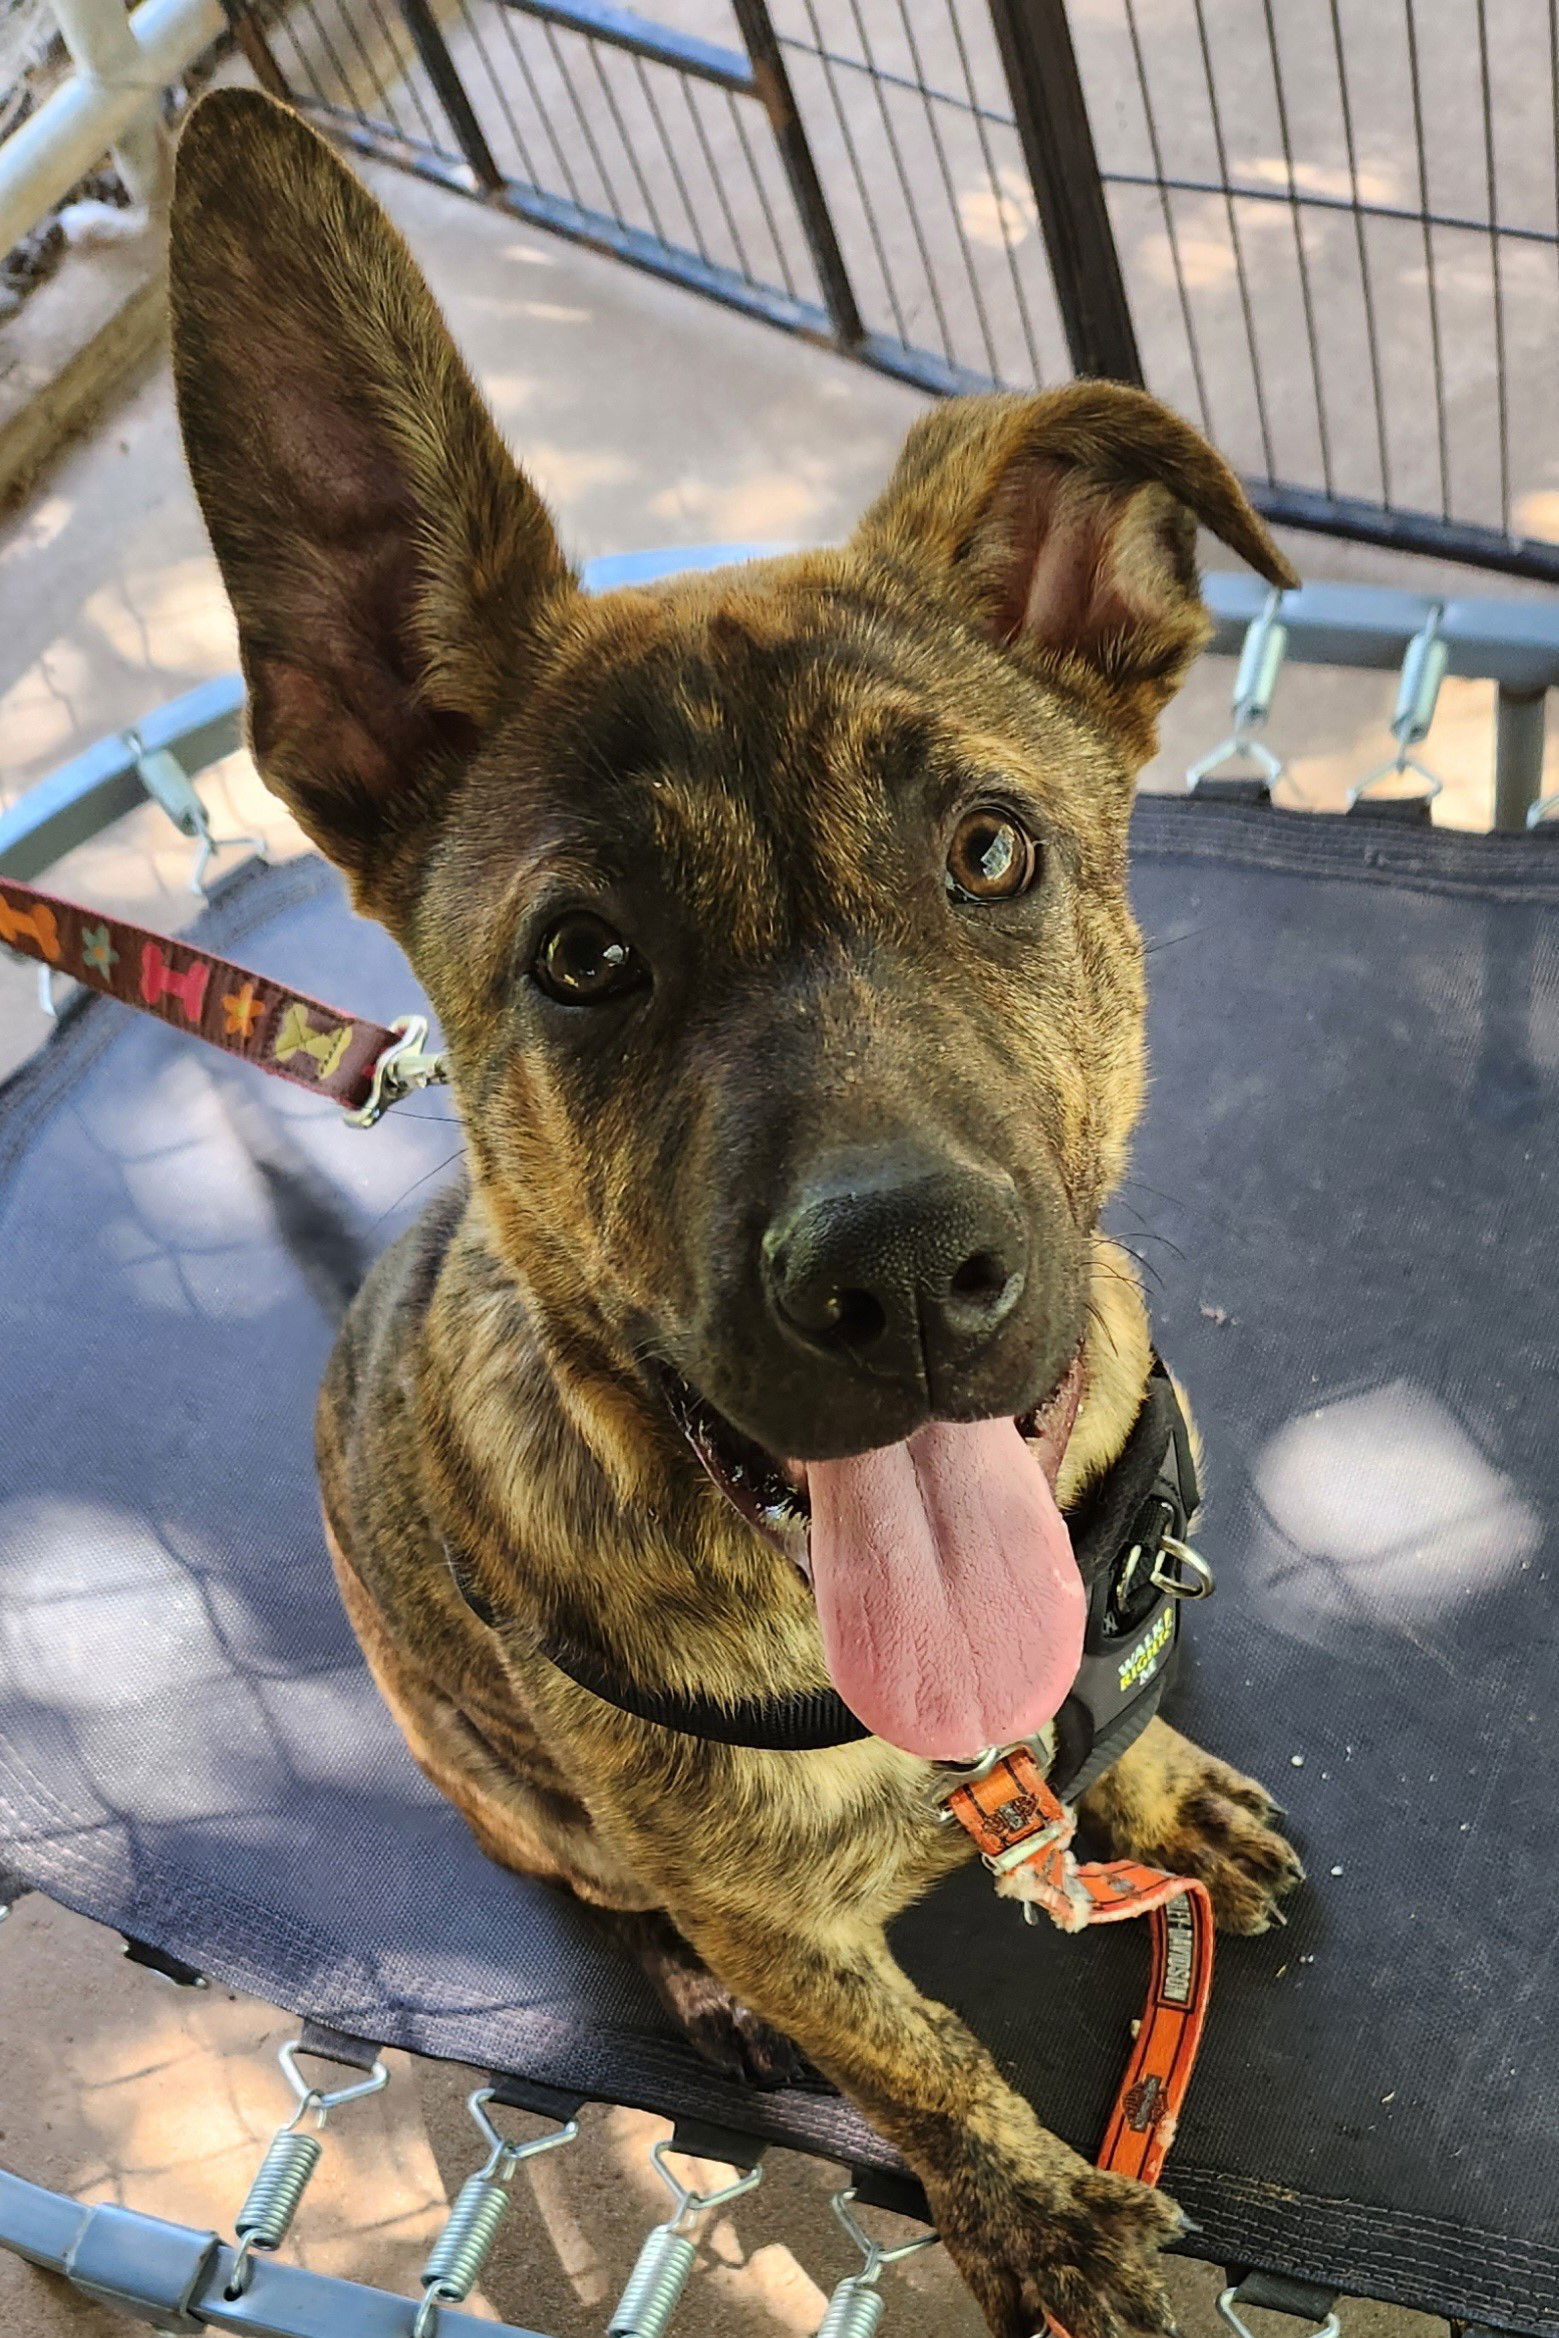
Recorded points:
(901, 1262)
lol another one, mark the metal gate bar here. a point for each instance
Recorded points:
(1052, 117)
(772, 83)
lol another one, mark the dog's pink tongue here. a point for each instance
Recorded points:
(951, 1606)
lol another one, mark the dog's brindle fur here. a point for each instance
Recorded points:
(753, 772)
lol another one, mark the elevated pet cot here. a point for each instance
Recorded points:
(1346, 1186)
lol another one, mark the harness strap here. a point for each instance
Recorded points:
(805, 1721)
(360, 1065)
(1024, 1833)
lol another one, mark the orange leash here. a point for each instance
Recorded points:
(1024, 1833)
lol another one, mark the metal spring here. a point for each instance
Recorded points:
(456, 2258)
(272, 2199)
(655, 2285)
(854, 2310)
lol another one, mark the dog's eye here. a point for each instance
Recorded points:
(991, 857)
(582, 962)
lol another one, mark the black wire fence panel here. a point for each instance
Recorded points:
(1332, 225)
(907, 108)
(1339, 222)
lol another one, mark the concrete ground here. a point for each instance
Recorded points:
(649, 418)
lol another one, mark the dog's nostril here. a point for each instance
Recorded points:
(984, 1276)
(856, 1316)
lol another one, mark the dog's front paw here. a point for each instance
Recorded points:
(1081, 2247)
(1185, 1810)
(1225, 1835)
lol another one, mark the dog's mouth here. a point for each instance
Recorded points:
(950, 1603)
(769, 1495)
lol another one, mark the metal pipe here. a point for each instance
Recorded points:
(661, 44)
(1512, 642)
(41, 162)
(1519, 726)
(103, 50)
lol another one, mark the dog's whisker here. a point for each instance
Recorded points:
(1172, 941)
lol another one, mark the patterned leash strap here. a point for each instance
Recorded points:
(1024, 1833)
(362, 1066)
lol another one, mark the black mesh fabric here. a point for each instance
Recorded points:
(1344, 1197)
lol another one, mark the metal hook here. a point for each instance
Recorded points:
(455, 2261)
(313, 2097)
(272, 2201)
(691, 2203)
(856, 2306)
(404, 1067)
(168, 783)
(875, 2254)
(1330, 2328)
(665, 2263)
(1424, 664)
(506, 2157)
(1255, 680)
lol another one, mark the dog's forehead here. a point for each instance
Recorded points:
(746, 693)
(756, 749)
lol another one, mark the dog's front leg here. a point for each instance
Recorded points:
(1032, 2227)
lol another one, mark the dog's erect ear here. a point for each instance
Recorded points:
(1065, 526)
(390, 568)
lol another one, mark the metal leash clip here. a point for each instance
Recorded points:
(455, 2261)
(1255, 679)
(265, 2219)
(856, 2307)
(400, 1071)
(665, 2264)
(956, 1774)
(1424, 664)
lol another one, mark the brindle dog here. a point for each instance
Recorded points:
(777, 921)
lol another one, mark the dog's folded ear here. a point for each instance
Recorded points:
(391, 570)
(1064, 526)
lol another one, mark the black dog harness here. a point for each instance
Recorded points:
(1127, 1536)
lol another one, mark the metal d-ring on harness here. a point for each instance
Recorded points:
(455, 2261)
(265, 2219)
(856, 2306)
(1186, 1575)
(665, 2263)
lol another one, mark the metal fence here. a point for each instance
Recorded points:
(1326, 229)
